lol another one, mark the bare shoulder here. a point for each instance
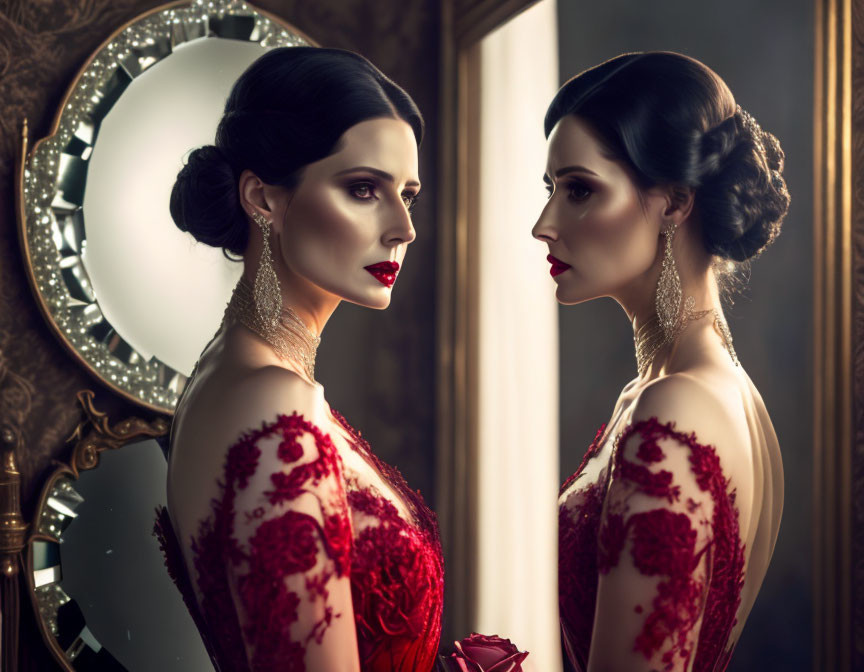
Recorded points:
(270, 391)
(681, 395)
(711, 409)
(223, 408)
(224, 412)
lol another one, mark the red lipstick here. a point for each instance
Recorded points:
(384, 272)
(558, 266)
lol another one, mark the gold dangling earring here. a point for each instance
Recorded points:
(266, 292)
(668, 297)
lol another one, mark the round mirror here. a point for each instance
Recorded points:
(132, 297)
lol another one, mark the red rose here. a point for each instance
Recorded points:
(479, 653)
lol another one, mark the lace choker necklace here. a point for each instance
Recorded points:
(650, 337)
(290, 339)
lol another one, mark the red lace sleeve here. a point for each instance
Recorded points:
(278, 548)
(668, 545)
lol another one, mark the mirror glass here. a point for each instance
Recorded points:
(135, 299)
(99, 585)
(141, 144)
(771, 76)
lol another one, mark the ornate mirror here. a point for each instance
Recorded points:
(94, 571)
(133, 298)
(124, 291)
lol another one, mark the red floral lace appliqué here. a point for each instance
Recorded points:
(663, 544)
(393, 563)
(397, 574)
(577, 553)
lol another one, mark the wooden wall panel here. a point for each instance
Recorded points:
(856, 345)
(839, 337)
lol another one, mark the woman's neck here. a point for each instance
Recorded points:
(639, 301)
(288, 334)
(311, 304)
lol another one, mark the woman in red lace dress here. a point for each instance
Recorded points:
(659, 186)
(295, 548)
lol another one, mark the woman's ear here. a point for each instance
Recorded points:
(671, 205)
(679, 205)
(268, 200)
(252, 197)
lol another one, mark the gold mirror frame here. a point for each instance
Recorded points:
(52, 176)
(838, 338)
(55, 509)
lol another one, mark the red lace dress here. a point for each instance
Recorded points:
(656, 539)
(264, 561)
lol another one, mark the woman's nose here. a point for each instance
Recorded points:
(544, 229)
(401, 229)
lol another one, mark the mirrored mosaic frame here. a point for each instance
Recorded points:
(52, 180)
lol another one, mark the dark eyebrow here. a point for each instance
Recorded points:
(375, 171)
(569, 169)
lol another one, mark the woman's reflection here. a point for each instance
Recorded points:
(658, 185)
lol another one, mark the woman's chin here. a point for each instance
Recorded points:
(564, 295)
(381, 305)
(570, 296)
(377, 299)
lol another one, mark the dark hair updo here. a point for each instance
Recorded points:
(287, 110)
(673, 121)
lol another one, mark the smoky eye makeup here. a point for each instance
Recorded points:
(367, 190)
(363, 190)
(409, 198)
(577, 190)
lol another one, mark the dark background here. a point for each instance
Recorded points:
(764, 52)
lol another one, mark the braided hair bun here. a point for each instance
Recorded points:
(742, 199)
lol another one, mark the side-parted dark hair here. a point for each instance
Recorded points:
(672, 121)
(287, 110)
